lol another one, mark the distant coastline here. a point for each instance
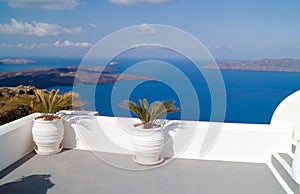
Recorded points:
(8, 61)
(65, 76)
(280, 65)
(266, 64)
(45, 78)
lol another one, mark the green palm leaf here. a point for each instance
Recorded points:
(149, 114)
(52, 102)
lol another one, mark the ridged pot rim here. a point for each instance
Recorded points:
(153, 129)
(46, 121)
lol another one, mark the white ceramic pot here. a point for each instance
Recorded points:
(147, 145)
(47, 136)
(296, 164)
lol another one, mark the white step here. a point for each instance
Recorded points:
(282, 164)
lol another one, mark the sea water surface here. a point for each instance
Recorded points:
(252, 96)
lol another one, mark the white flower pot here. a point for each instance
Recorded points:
(147, 145)
(47, 136)
(296, 164)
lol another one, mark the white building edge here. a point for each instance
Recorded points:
(252, 143)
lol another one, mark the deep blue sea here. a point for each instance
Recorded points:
(252, 96)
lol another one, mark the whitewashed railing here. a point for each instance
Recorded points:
(236, 142)
(15, 140)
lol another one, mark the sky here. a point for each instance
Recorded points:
(231, 29)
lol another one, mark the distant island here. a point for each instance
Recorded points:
(16, 61)
(284, 65)
(45, 78)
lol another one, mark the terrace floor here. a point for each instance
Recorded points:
(76, 171)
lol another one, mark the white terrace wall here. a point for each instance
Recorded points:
(236, 142)
(287, 114)
(15, 140)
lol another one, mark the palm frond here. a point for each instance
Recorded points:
(149, 114)
(53, 98)
(42, 102)
(52, 102)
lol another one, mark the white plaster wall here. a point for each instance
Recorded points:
(15, 140)
(287, 114)
(96, 133)
(243, 143)
(237, 142)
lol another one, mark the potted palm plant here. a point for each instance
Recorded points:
(148, 136)
(48, 128)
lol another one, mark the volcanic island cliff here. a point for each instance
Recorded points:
(45, 78)
(267, 64)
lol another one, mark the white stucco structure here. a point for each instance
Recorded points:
(15, 140)
(237, 142)
(287, 114)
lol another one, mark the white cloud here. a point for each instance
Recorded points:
(130, 2)
(20, 45)
(147, 45)
(231, 47)
(32, 46)
(36, 28)
(43, 45)
(262, 46)
(195, 46)
(93, 25)
(44, 4)
(68, 43)
(56, 43)
(216, 47)
(4, 45)
(146, 29)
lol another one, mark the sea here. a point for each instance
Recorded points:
(250, 96)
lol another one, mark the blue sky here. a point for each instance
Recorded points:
(234, 29)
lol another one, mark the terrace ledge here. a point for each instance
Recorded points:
(238, 142)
